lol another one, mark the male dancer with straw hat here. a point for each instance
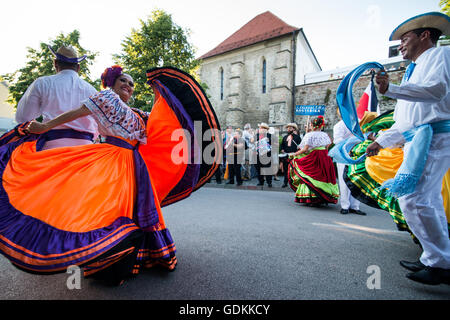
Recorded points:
(422, 114)
(50, 96)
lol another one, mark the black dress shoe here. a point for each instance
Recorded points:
(344, 211)
(431, 276)
(357, 212)
(270, 185)
(239, 183)
(260, 184)
(230, 182)
(413, 266)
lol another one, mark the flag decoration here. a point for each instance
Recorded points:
(369, 100)
(345, 101)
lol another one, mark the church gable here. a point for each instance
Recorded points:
(251, 74)
(263, 27)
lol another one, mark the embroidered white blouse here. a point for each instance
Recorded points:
(315, 139)
(115, 118)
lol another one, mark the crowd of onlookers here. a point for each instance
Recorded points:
(250, 154)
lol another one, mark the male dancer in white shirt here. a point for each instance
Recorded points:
(50, 96)
(423, 97)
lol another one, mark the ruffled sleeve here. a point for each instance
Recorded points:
(315, 139)
(114, 117)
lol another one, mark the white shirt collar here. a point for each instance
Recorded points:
(424, 55)
(68, 71)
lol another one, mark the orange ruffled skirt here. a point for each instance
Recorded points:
(77, 205)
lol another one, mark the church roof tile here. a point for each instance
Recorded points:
(263, 27)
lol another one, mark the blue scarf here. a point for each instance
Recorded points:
(409, 173)
(345, 101)
(347, 108)
(341, 151)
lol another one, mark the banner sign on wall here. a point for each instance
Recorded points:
(309, 110)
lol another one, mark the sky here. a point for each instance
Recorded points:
(341, 32)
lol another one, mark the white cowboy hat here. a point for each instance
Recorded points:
(67, 54)
(435, 20)
(264, 125)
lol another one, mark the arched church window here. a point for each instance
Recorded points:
(264, 76)
(221, 83)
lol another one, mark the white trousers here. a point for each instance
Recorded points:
(345, 197)
(424, 209)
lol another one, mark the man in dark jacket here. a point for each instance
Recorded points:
(289, 144)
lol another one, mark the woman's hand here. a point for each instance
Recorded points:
(36, 127)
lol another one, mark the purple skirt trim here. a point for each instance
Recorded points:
(61, 133)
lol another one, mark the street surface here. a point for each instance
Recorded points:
(258, 245)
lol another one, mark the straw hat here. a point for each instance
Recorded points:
(435, 20)
(292, 124)
(264, 125)
(67, 54)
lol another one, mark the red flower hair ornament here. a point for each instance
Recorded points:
(318, 122)
(110, 75)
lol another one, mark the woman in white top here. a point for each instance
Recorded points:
(311, 171)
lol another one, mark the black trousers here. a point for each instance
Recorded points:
(234, 170)
(260, 166)
(218, 174)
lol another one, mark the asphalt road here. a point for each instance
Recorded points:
(257, 245)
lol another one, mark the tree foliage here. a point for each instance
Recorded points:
(158, 42)
(445, 6)
(40, 63)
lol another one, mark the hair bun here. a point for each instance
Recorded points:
(110, 75)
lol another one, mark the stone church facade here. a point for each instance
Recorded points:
(251, 75)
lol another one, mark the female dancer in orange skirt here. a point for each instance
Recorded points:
(99, 206)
